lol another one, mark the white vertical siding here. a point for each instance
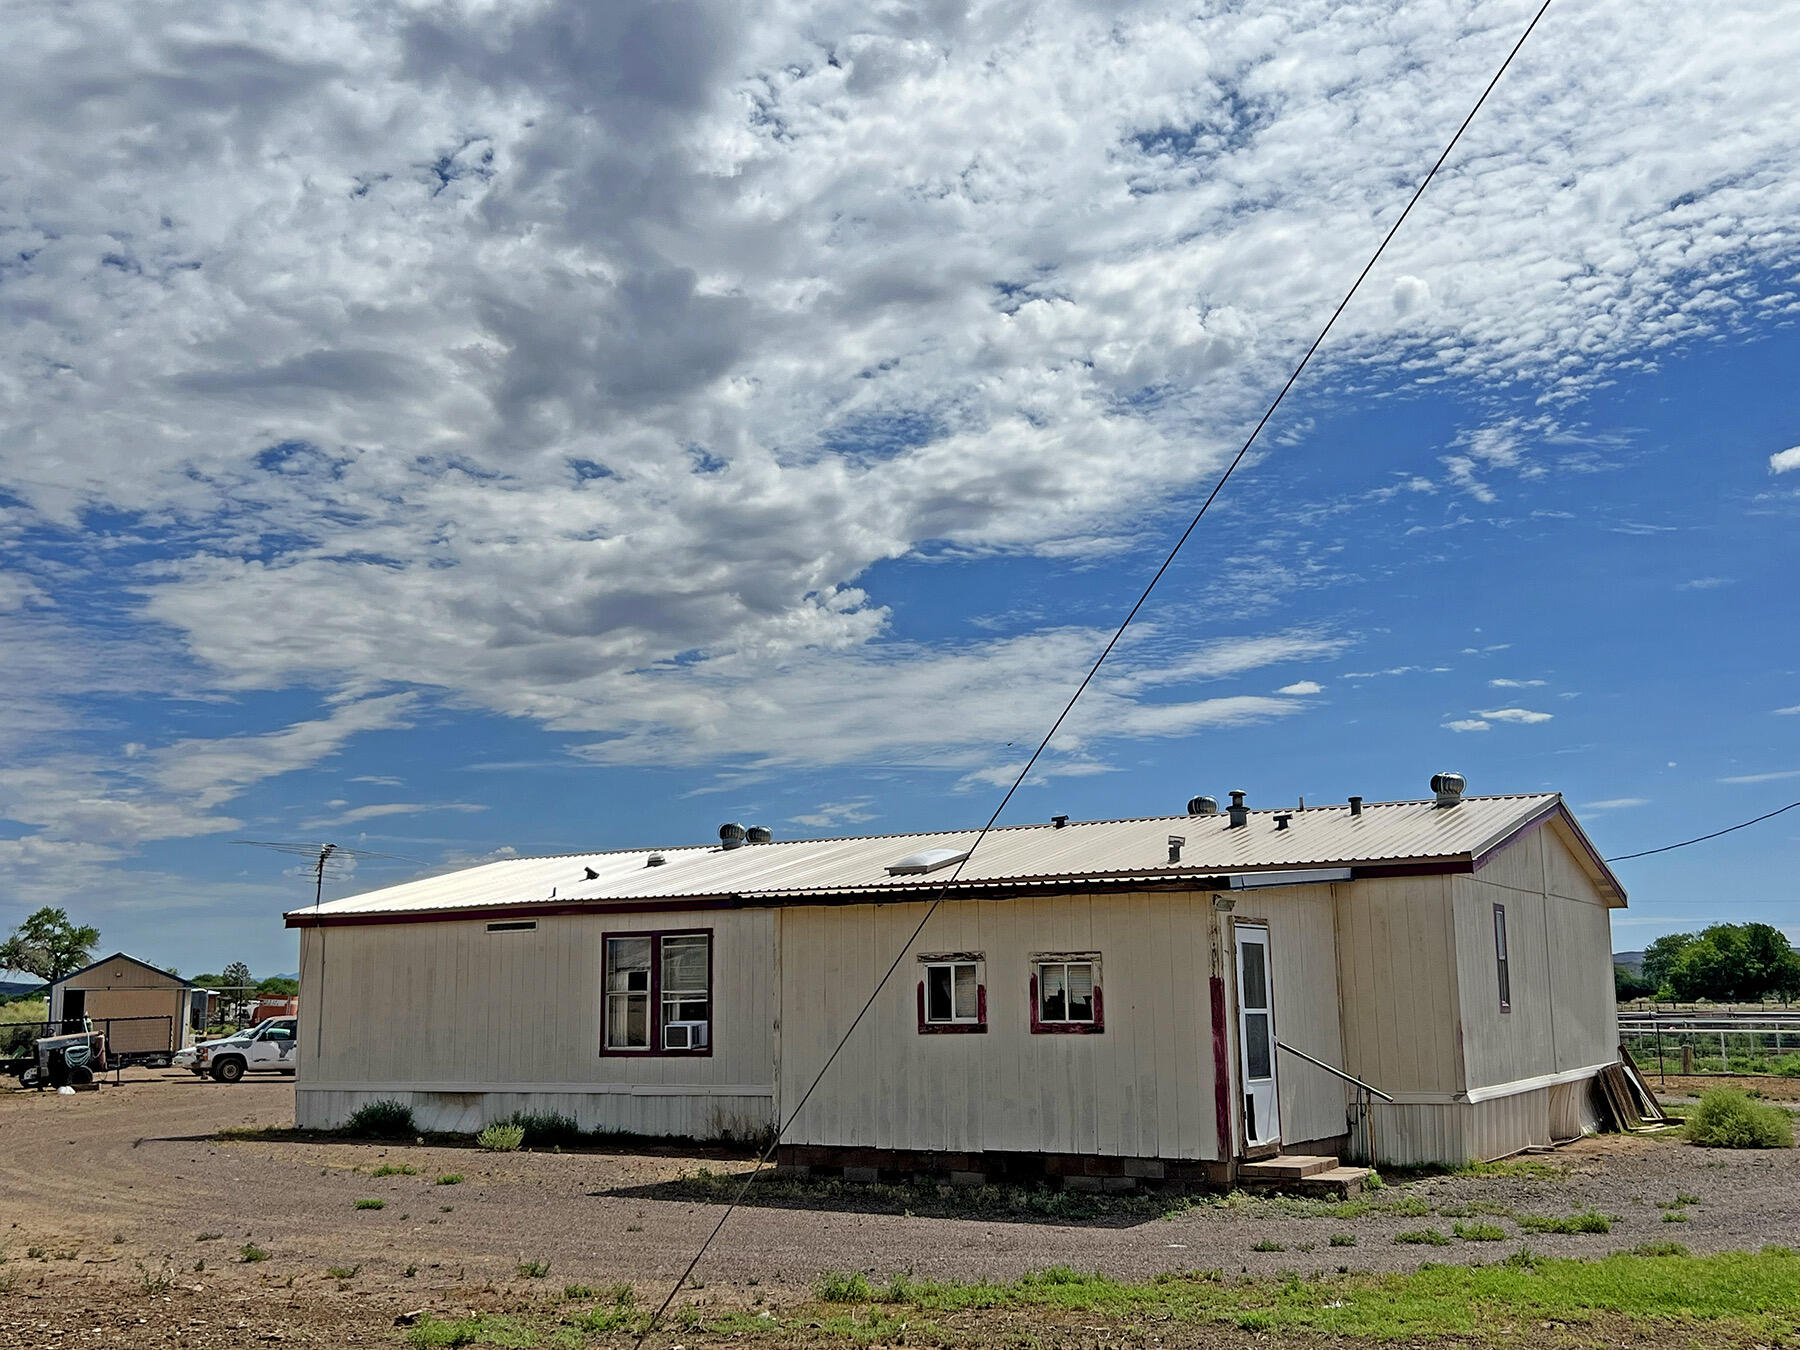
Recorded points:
(452, 1008)
(1142, 1087)
(1396, 967)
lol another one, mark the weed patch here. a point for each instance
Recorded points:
(450, 1179)
(1588, 1221)
(501, 1138)
(371, 1204)
(381, 1120)
(391, 1170)
(433, 1332)
(1429, 1237)
(1479, 1232)
(534, 1270)
(837, 1287)
(250, 1254)
(343, 1272)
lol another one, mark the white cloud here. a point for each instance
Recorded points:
(1615, 804)
(1775, 777)
(1302, 687)
(1521, 716)
(381, 809)
(1515, 684)
(1783, 460)
(1467, 724)
(831, 815)
(1704, 584)
(1788, 711)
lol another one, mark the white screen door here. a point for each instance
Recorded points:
(1256, 1037)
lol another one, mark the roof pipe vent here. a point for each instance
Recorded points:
(1058, 822)
(1175, 843)
(1203, 806)
(1281, 821)
(1448, 787)
(655, 860)
(1356, 806)
(759, 834)
(1240, 814)
(731, 835)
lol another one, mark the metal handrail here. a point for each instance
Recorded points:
(1337, 1073)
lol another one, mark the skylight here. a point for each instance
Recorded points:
(926, 860)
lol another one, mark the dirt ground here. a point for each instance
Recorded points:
(125, 1220)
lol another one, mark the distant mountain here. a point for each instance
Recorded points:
(1632, 961)
(10, 987)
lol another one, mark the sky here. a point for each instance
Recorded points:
(463, 430)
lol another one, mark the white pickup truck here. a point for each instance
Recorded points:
(267, 1047)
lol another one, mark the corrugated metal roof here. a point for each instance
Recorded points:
(1017, 855)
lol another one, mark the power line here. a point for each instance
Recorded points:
(1701, 839)
(937, 896)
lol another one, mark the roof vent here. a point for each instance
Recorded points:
(1281, 821)
(731, 835)
(926, 860)
(655, 860)
(1449, 787)
(758, 834)
(590, 874)
(1356, 806)
(1175, 843)
(1203, 806)
(1240, 814)
(1059, 822)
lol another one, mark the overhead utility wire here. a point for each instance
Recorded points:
(1701, 839)
(937, 895)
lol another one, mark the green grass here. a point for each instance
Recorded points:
(371, 1204)
(450, 1179)
(1532, 1169)
(1429, 1237)
(250, 1253)
(1756, 1293)
(1343, 1239)
(391, 1170)
(534, 1270)
(1479, 1232)
(834, 1286)
(343, 1272)
(1659, 1249)
(1588, 1221)
(1727, 1118)
(506, 1332)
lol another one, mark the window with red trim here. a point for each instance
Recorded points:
(952, 994)
(1065, 994)
(658, 994)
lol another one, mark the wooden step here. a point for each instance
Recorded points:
(1286, 1167)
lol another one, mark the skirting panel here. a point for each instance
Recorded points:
(701, 1116)
(1451, 1134)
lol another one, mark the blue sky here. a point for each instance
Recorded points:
(553, 428)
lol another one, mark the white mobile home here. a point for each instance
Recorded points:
(1164, 997)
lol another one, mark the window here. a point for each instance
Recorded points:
(658, 994)
(1065, 994)
(952, 996)
(1500, 961)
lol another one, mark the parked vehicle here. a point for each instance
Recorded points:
(267, 1047)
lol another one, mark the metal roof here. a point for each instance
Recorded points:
(1011, 857)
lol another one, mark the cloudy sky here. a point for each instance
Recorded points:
(447, 429)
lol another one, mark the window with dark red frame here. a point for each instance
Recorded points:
(952, 994)
(658, 994)
(1501, 964)
(1065, 994)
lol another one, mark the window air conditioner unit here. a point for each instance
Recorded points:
(684, 1036)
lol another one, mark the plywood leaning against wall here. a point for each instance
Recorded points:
(464, 1023)
(1142, 1087)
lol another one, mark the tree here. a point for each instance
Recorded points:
(17, 954)
(1660, 957)
(277, 986)
(1735, 963)
(48, 945)
(1628, 984)
(236, 975)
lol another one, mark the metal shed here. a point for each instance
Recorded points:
(147, 1013)
(1162, 997)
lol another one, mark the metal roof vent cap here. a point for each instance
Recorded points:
(1449, 787)
(655, 860)
(1203, 806)
(731, 835)
(1240, 814)
(1356, 806)
(1281, 821)
(759, 834)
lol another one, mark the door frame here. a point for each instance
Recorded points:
(1269, 1148)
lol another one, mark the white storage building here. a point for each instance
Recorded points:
(1154, 998)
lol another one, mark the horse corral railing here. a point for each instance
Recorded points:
(1725, 1041)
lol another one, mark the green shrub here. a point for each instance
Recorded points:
(501, 1137)
(386, 1119)
(836, 1287)
(1343, 1239)
(1267, 1245)
(250, 1253)
(1727, 1118)
(390, 1170)
(534, 1270)
(450, 1179)
(371, 1204)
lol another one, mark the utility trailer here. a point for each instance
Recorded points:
(114, 1043)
